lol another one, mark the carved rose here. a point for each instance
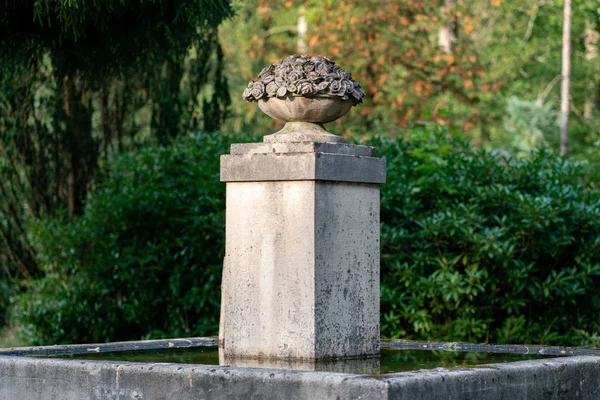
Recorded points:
(336, 88)
(343, 74)
(309, 67)
(357, 91)
(247, 92)
(295, 76)
(315, 77)
(324, 69)
(258, 90)
(304, 76)
(266, 70)
(283, 70)
(291, 87)
(282, 91)
(306, 89)
(268, 79)
(272, 89)
(322, 87)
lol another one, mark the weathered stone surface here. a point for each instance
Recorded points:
(34, 379)
(92, 348)
(552, 379)
(302, 167)
(301, 272)
(302, 147)
(304, 109)
(43, 379)
(302, 132)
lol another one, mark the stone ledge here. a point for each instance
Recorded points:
(301, 166)
(303, 147)
(41, 379)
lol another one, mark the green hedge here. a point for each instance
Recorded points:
(144, 261)
(474, 247)
(479, 248)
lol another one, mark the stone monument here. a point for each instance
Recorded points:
(301, 270)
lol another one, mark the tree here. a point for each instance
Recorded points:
(390, 47)
(400, 51)
(566, 77)
(80, 79)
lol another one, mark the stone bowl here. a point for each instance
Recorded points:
(318, 110)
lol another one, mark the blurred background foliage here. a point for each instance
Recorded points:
(144, 260)
(458, 63)
(475, 247)
(110, 206)
(82, 79)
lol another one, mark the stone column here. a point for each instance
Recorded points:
(301, 271)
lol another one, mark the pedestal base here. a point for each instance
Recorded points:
(301, 271)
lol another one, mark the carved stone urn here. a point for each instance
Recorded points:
(305, 92)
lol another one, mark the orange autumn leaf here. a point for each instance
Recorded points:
(448, 58)
(383, 78)
(263, 10)
(288, 4)
(495, 3)
(468, 83)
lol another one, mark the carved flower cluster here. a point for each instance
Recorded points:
(306, 77)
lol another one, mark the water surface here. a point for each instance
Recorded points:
(392, 360)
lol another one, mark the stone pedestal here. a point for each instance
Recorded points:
(301, 271)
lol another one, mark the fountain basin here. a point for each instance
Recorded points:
(27, 377)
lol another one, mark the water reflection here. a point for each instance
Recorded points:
(363, 366)
(391, 361)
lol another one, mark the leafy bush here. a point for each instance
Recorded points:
(6, 290)
(474, 247)
(145, 258)
(529, 125)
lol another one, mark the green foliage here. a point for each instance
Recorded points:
(100, 37)
(80, 79)
(476, 247)
(502, 48)
(6, 290)
(145, 258)
(529, 125)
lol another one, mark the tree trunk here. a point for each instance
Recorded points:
(447, 34)
(80, 147)
(566, 75)
(301, 47)
(591, 40)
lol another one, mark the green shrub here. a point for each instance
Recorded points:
(474, 247)
(479, 248)
(529, 125)
(6, 290)
(144, 261)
